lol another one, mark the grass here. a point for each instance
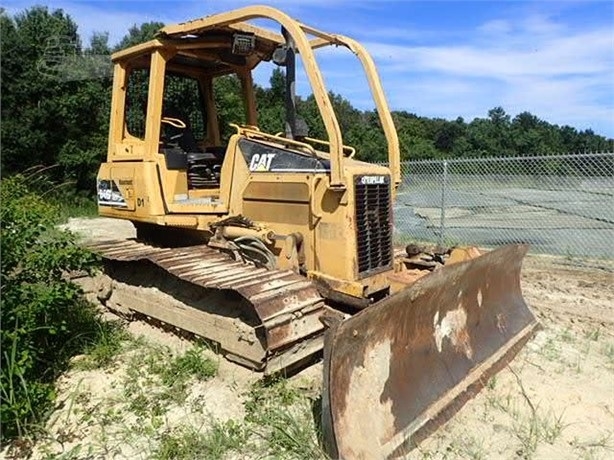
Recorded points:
(156, 378)
(191, 364)
(607, 350)
(262, 395)
(593, 334)
(470, 447)
(77, 206)
(567, 336)
(279, 420)
(530, 430)
(569, 349)
(107, 344)
(77, 452)
(593, 449)
(551, 349)
(150, 380)
(188, 442)
(284, 419)
(530, 425)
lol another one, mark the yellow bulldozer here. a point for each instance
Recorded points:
(277, 246)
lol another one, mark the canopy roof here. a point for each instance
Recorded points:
(206, 43)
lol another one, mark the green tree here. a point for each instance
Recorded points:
(416, 138)
(229, 103)
(59, 115)
(50, 114)
(139, 34)
(99, 44)
(271, 108)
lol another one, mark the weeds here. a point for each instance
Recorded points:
(607, 350)
(589, 449)
(78, 206)
(593, 335)
(107, 344)
(290, 433)
(532, 428)
(262, 395)
(577, 364)
(567, 336)
(158, 366)
(279, 421)
(551, 426)
(191, 364)
(76, 452)
(470, 447)
(284, 419)
(189, 442)
(551, 350)
(45, 320)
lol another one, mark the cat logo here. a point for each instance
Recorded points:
(261, 162)
(372, 180)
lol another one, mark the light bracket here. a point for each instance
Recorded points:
(243, 44)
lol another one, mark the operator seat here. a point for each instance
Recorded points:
(182, 152)
(183, 137)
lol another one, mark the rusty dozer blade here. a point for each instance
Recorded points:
(398, 370)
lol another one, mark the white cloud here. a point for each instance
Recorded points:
(496, 27)
(584, 53)
(563, 75)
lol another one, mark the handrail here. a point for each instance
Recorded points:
(175, 122)
(256, 133)
(350, 149)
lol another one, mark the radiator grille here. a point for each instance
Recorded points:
(373, 223)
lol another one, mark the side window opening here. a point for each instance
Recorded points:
(136, 102)
(183, 99)
(184, 133)
(183, 106)
(229, 104)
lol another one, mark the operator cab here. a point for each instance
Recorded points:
(192, 135)
(189, 135)
(164, 114)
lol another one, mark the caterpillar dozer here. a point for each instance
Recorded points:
(277, 246)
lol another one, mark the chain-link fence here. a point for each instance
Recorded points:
(561, 204)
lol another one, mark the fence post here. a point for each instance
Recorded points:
(442, 220)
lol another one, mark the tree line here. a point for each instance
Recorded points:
(56, 93)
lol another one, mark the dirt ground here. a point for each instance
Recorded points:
(554, 401)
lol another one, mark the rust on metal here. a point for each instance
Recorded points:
(288, 307)
(409, 362)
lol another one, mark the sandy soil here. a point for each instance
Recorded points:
(554, 401)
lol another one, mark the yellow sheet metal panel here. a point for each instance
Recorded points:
(129, 190)
(276, 191)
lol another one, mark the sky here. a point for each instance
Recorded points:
(442, 59)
